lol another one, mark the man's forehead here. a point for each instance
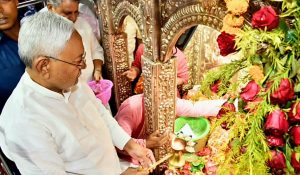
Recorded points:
(69, 4)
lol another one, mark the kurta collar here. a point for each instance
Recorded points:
(45, 91)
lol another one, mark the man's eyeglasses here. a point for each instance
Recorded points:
(81, 65)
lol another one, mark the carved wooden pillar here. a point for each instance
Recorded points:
(160, 93)
(122, 87)
(114, 45)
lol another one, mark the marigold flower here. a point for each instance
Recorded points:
(256, 73)
(237, 7)
(233, 20)
(231, 30)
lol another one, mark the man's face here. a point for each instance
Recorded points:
(8, 14)
(65, 75)
(67, 9)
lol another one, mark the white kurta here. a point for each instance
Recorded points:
(91, 46)
(44, 132)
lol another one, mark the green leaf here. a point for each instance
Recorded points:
(297, 156)
(297, 149)
(291, 36)
(297, 87)
(290, 169)
(283, 26)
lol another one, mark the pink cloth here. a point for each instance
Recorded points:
(182, 67)
(131, 114)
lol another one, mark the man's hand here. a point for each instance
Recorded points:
(97, 75)
(132, 73)
(143, 155)
(135, 171)
(97, 69)
(156, 139)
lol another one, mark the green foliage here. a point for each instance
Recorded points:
(278, 52)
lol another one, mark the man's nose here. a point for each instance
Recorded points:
(83, 65)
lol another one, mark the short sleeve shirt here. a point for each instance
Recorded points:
(11, 67)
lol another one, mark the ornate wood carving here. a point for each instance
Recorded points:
(160, 93)
(169, 7)
(122, 10)
(122, 87)
(186, 17)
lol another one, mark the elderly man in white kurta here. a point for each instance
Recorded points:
(52, 123)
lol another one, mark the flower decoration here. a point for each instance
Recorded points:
(266, 81)
(226, 43)
(283, 93)
(249, 93)
(237, 7)
(274, 141)
(294, 113)
(266, 17)
(277, 160)
(215, 87)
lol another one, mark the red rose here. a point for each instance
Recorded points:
(295, 133)
(294, 113)
(276, 123)
(277, 160)
(250, 91)
(226, 43)
(215, 87)
(275, 141)
(226, 107)
(294, 161)
(266, 17)
(283, 93)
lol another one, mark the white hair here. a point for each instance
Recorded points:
(57, 3)
(43, 34)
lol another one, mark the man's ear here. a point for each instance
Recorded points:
(50, 7)
(42, 66)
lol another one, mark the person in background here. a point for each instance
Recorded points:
(136, 68)
(61, 127)
(131, 118)
(11, 66)
(86, 13)
(94, 52)
(134, 37)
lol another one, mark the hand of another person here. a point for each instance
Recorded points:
(135, 171)
(179, 81)
(97, 75)
(156, 139)
(131, 74)
(139, 153)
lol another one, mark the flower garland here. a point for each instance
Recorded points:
(264, 133)
(232, 24)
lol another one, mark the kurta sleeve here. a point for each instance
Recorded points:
(199, 108)
(119, 136)
(97, 50)
(33, 149)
